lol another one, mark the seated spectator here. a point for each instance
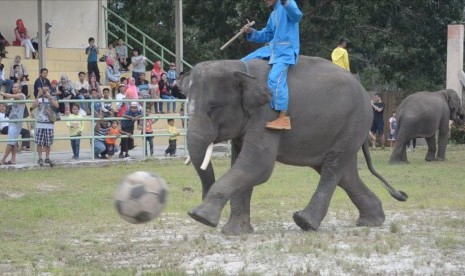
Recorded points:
(157, 70)
(107, 105)
(65, 91)
(165, 93)
(42, 81)
(7, 82)
(176, 89)
(155, 94)
(54, 89)
(111, 53)
(138, 62)
(3, 44)
(112, 76)
(82, 89)
(171, 74)
(93, 84)
(20, 74)
(122, 55)
(120, 97)
(4, 122)
(143, 89)
(97, 104)
(22, 35)
(101, 131)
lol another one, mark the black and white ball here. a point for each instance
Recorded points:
(141, 197)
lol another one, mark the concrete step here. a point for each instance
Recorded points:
(54, 53)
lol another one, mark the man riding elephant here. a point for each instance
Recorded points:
(282, 35)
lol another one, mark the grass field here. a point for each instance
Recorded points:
(63, 221)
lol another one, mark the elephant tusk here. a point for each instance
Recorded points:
(188, 160)
(208, 157)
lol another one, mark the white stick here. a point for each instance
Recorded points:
(236, 36)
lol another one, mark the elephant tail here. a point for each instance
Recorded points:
(399, 195)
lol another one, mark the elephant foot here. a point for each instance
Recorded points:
(371, 221)
(207, 215)
(398, 162)
(430, 157)
(440, 159)
(234, 228)
(305, 222)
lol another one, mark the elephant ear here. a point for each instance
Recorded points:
(254, 94)
(453, 101)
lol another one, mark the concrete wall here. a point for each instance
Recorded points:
(73, 21)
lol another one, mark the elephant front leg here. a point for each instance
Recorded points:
(431, 154)
(310, 218)
(239, 220)
(442, 145)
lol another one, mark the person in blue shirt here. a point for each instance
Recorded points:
(281, 34)
(92, 52)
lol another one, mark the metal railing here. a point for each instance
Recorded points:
(124, 28)
(94, 120)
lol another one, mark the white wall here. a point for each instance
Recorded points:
(73, 21)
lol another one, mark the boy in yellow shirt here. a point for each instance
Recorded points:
(173, 131)
(340, 56)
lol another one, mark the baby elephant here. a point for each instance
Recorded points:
(422, 115)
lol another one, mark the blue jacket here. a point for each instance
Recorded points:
(281, 33)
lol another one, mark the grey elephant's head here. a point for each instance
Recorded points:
(222, 99)
(457, 111)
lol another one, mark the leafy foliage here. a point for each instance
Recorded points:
(457, 134)
(393, 43)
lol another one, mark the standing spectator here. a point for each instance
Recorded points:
(143, 90)
(122, 55)
(3, 81)
(131, 117)
(392, 130)
(112, 76)
(157, 70)
(171, 74)
(22, 74)
(22, 35)
(14, 128)
(165, 93)
(111, 53)
(138, 62)
(76, 126)
(377, 128)
(414, 144)
(340, 56)
(113, 133)
(92, 58)
(44, 127)
(41, 81)
(148, 131)
(174, 133)
(3, 44)
(101, 131)
(82, 88)
(4, 122)
(155, 94)
(65, 92)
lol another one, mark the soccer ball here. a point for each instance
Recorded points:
(141, 197)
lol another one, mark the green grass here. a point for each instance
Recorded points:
(63, 221)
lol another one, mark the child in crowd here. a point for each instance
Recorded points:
(131, 117)
(120, 97)
(76, 126)
(392, 129)
(19, 77)
(107, 108)
(171, 74)
(155, 93)
(54, 89)
(173, 131)
(148, 131)
(113, 133)
(97, 104)
(92, 58)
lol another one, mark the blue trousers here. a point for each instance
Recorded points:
(75, 145)
(277, 83)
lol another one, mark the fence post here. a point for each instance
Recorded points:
(455, 33)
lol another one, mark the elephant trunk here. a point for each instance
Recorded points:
(200, 136)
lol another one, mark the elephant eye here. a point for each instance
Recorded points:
(213, 108)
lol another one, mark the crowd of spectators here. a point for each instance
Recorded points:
(126, 111)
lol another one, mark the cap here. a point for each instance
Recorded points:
(134, 104)
(54, 82)
(172, 64)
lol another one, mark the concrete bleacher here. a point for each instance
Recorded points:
(71, 62)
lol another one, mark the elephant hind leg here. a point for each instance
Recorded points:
(368, 204)
(310, 218)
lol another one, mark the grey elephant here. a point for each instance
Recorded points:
(331, 116)
(422, 114)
